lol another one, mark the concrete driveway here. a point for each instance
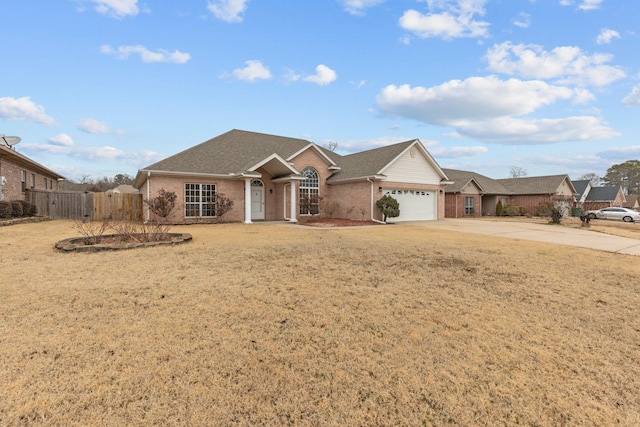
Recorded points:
(542, 233)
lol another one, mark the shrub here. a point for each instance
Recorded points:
(512, 209)
(223, 204)
(5, 209)
(389, 207)
(163, 204)
(16, 209)
(350, 210)
(550, 209)
(499, 208)
(28, 208)
(329, 207)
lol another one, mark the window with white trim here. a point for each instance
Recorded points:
(199, 200)
(469, 204)
(310, 192)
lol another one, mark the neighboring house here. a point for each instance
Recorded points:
(472, 194)
(271, 177)
(124, 189)
(632, 202)
(18, 173)
(592, 198)
(530, 192)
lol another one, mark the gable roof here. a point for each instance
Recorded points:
(536, 184)
(581, 186)
(461, 178)
(373, 162)
(603, 194)
(232, 153)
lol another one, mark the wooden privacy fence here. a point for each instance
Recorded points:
(84, 204)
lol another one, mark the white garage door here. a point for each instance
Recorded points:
(415, 205)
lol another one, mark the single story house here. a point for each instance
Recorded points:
(530, 192)
(276, 178)
(18, 173)
(472, 194)
(593, 198)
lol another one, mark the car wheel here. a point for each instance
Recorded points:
(591, 216)
(627, 219)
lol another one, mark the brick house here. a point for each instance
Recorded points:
(18, 173)
(594, 198)
(472, 194)
(277, 178)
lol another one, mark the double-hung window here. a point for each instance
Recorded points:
(469, 203)
(23, 179)
(199, 200)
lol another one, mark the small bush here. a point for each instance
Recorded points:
(389, 207)
(329, 208)
(512, 209)
(5, 209)
(223, 204)
(28, 208)
(499, 208)
(16, 209)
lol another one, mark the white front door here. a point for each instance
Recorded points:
(257, 202)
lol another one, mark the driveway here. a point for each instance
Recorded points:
(541, 233)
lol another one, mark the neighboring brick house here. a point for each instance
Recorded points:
(631, 202)
(271, 177)
(594, 198)
(18, 174)
(530, 192)
(472, 194)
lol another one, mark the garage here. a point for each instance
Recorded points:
(415, 205)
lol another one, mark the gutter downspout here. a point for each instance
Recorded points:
(148, 193)
(372, 218)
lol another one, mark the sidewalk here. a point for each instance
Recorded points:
(542, 233)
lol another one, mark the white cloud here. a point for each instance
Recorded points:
(456, 19)
(140, 158)
(584, 5)
(606, 35)
(117, 8)
(458, 152)
(523, 20)
(515, 131)
(252, 72)
(486, 108)
(13, 109)
(356, 7)
(324, 75)
(95, 126)
(228, 10)
(566, 64)
(123, 52)
(292, 76)
(62, 140)
(621, 153)
(473, 99)
(633, 98)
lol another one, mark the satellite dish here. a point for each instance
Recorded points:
(11, 140)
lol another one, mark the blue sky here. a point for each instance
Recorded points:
(101, 87)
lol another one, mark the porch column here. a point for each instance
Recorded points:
(294, 203)
(247, 200)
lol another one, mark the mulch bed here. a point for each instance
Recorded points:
(337, 222)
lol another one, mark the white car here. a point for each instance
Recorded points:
(618, 214)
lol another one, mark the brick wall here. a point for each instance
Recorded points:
(12, 172)
(454, 205)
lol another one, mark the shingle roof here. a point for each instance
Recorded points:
(21, 158)
(230, 153)
(534, 184)
(603, 194)
(581, 186)
(461, 179)
(631, 201)
(367, 163)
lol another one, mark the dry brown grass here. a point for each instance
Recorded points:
(270, 324)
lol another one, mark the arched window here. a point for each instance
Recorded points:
(310, 192)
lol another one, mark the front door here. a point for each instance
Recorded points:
(257, 200)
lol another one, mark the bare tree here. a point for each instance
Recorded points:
(517, 172)
(593, 177)
(332, 145)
